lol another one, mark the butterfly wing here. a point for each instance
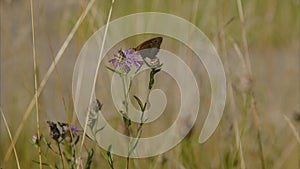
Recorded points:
(149, 48)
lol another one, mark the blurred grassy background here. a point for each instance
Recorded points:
(272, 32)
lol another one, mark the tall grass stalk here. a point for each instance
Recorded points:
(289, 148)
(58, 79)
(293, 128)
(233, 106)
(244, 35)
(251, 92)
(10, 137)
(46, 77)
(95, 79)
(285, 155)
(35, 83)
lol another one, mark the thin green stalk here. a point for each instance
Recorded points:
(60, 154)
(143, 109)
(127, 162)
(126, 93)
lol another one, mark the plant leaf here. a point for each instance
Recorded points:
(113, 70)
(139, 102)
(89, 159)
(99, 130)
(126, 120)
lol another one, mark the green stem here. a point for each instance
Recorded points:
(127, 162)
(60, 154)
(139, 129)
(126, 93)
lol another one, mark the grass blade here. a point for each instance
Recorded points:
(35, 84)
(46, 77)
(10, 137)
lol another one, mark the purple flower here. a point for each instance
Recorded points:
(125, 59)
(75, 130)
(54, 131)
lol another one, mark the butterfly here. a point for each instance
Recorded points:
(149, 49)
